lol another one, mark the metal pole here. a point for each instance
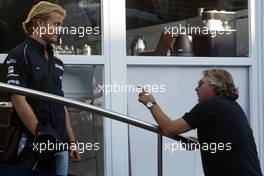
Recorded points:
(90, 108)
(160, 154)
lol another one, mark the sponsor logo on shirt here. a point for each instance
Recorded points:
(11, 61)
(13, 75)
(59, 67)
(11, 69)
(16, 82)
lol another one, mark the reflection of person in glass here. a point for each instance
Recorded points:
(219, 120)
(32, 64)
(84, 24)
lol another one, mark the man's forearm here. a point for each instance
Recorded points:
(161, 118)
(25, 113)
(70, 134)
(168, 126)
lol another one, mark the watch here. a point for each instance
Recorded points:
(150, 104)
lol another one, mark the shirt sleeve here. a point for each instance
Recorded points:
(16, 70)
(199, 115)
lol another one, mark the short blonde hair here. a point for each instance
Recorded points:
(222, 82)
(43, 10)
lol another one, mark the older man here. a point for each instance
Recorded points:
(226, 140)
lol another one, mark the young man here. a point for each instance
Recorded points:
(226, 140)
(32, 64)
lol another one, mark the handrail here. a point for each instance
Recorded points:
(87, 107)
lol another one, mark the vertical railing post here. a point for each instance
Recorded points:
(159, 153)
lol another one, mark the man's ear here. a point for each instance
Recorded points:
(39, 23)
(215, 90)
(36, 22)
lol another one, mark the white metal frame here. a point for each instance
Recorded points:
(254, 63)
(118, 75)
(261, 80)
(256, 74)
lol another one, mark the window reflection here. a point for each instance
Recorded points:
(83, 24)
(187, 28)
(82, 83)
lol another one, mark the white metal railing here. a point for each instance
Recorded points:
(94, 109)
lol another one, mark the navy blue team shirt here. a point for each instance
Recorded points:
(226, 140)
(26, 66)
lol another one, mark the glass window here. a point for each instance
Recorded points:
(83, 83)
(169, 95)
(213, 28)
(81, 32)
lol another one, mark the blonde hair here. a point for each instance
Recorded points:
(222, 82)
(43, 10)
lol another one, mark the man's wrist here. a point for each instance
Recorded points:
(72, 140)
(73, 143)
(150, 104)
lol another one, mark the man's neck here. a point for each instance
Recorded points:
(43, 42)
(40, 40)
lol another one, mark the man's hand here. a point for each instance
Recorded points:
(75, 154)
(145, 97)
(25, 112)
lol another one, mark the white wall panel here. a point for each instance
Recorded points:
(179, 98)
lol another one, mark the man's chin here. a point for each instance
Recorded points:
(54, 40)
